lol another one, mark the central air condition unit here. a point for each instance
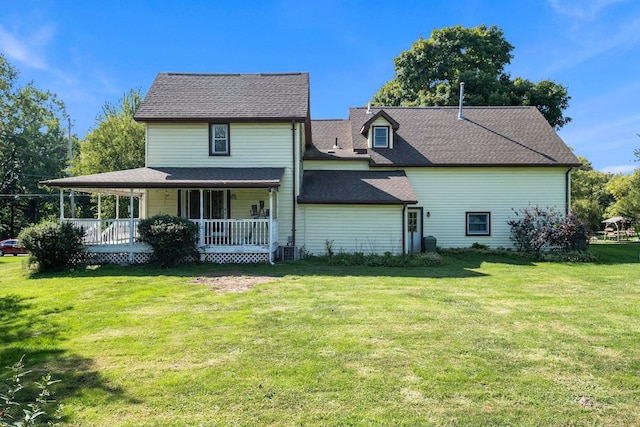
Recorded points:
(288, 253)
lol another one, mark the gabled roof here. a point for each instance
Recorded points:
(210, 97)
(365, 127)
(356, 187)
(170, 177)
(487, 136)
(434, 136)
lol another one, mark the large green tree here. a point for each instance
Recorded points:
(626, 191)
(590, 194)
(431, 71)
(116, 142)
(33, 147)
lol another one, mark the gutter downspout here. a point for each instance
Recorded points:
(404, 234)
(293, 191)
(567, 192)
(271, 226)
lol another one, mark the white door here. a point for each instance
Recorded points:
(414, 229)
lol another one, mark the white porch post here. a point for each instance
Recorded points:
(61, 205)
(131, 257)
(270, 225)
(201, 237)
(117, 207)
(99, 206)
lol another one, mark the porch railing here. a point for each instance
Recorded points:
(235, 231)
(215, 232)
(106, 231)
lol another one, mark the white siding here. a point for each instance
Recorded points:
(251, 145)
(349, 165)
(351, 228)
(187, 145)
(242, 200)
(448, 193)
(159, 201)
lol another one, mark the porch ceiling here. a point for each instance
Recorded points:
(170, 177)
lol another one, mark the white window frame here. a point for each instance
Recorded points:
(213, 139)
(374, 143)
(469, 222)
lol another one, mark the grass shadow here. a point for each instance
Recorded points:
(461, 265)
(20, 321)
(27, 331)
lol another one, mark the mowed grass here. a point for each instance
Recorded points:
(480, 340)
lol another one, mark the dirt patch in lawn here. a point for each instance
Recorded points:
(232, 281)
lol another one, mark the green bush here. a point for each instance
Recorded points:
(536, 229)
(53, 246)
(173, 239)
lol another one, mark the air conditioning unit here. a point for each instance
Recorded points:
(288, 253)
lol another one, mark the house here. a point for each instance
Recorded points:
(240, 155)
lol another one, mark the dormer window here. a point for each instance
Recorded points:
(380, 130)
(219, 139)
(380, 136)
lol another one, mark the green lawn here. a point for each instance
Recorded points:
(480, 340)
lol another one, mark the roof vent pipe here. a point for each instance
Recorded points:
(336, 146)
(368, 108)
(460, 116)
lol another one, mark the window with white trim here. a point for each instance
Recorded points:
(380, 136)
(219, 139)
(478, 223)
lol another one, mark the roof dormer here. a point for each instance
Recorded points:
(380, 130)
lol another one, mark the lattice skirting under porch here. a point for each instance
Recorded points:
(116, 258)
(143, 258)
(230, 258)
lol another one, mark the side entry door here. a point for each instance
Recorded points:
(414, 229)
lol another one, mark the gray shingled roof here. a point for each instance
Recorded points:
(324, 134)
(433, 136)
(168, 177)
(356, 187)
(184, 96)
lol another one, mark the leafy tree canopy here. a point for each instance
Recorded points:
(590, 194)
(33, 147)
(431, 71)
(117, 142)
(626, 191)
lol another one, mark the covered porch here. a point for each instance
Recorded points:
(236, 211)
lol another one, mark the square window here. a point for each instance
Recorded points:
(478, 224)
(380, 137)
(218, 139)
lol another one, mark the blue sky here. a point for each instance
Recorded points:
(91, 52)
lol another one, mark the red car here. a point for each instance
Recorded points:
(10, 246)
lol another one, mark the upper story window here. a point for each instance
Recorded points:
(478, 223)
(219, 139)
(380, 137)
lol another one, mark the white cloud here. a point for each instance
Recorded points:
(583, 10)
(623, 169)
(28, 50)
(590, 30)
